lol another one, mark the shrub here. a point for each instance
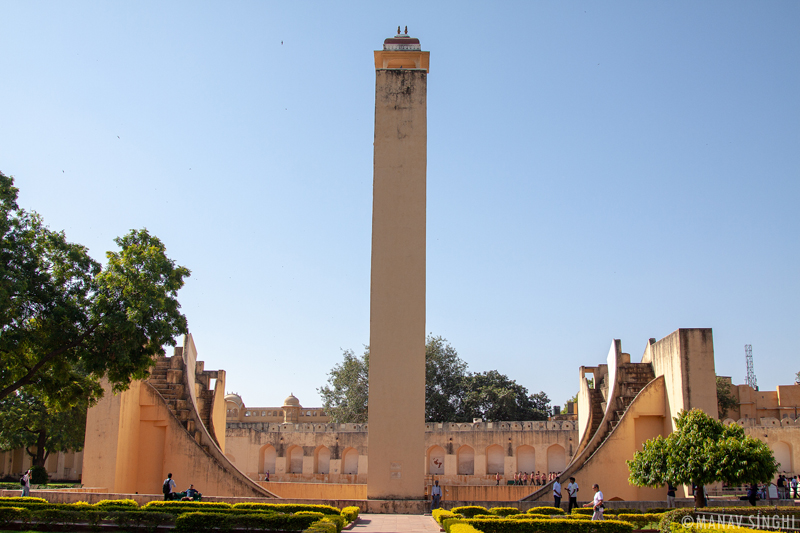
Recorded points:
(621, 510)
(639, 520)
(321, 526)
(552, 525)
(504, 511)
(544, 509)
(289, 507)
(39, 475)
(17, 499)
(351, 513)
(660, 510)
(195, 521)
(674, 516)
(463, 528)
(13, 514)
(116, 504)
(583, 510)
(185, 507)
(148, 520)
(468, 511)
(441, 514)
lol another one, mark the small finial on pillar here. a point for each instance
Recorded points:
(406, 30)
(398, 30)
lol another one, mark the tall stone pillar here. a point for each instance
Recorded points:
(397, 296)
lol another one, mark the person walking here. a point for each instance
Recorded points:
(596, 503)
(26, 484)
(436, 495)
(497, 478)
(670, 495)
(572, 492)
(557, 494)
(168, 487)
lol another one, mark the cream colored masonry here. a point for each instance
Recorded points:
(456, 453)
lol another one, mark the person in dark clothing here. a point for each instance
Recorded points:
(752, 494)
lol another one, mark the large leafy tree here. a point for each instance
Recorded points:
(700, 451)
(451, 393)
(61, 311)
(494, 396)
(345, 396)
(28, 421)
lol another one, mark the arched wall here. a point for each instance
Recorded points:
(322, 460)
(295, 460)
(494, 459)
(435, 464)
(556, 458)
(466, 460)
(783, 455)
(266, 459)
(350, 461)
(526, 459)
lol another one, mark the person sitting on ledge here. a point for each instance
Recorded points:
(191, 494)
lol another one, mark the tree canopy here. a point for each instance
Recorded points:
(700, 451)
(452, 394)
(62, 312)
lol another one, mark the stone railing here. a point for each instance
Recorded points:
(765, 421)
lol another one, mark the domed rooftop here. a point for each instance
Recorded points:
(235, 398)
(291, 401)
(401, 41)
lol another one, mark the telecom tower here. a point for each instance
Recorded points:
(751, 375)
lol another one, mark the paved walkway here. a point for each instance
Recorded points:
(394, 523)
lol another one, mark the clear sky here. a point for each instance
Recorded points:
(596, 170)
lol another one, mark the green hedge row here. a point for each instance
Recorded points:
(50, 517)
(674, 518)
(551, 525)
(215, 521)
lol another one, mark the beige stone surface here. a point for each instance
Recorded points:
(397, 295)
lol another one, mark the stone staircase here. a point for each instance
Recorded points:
(632, 378)
(167, 377)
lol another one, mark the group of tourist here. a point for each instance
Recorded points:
(168, 489)
(525, 478)
(788, 487)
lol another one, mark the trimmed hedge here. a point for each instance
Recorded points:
(504, 511)
(350, 513)
(288, 507)
(463, 528)
(18, 499)
(213, 521)
(122, 505)
(468, 511)
(12, 514)
(640, 520)
(441, 514)
(544, 509)
(674, 517)
(321, 526)
(551, 525)
(183, 507)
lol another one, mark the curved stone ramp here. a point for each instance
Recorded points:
(134, 438)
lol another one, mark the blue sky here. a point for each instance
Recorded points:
(595, 171)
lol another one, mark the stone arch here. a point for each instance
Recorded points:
(783, 455)
(556, 458)
(495, 459)
(435, 461)
(294, 460)
(350, 461)
(526, 458)
(465, 457)
(266, 459)
(322, 460)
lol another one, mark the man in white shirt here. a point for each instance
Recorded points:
(556, 493)
(436, 495)
(597, 503)
(572, 491)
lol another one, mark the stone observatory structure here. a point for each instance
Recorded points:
(397, 296)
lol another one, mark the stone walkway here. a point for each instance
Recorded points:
(394, 523)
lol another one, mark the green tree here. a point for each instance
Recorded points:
(60, 310)
(344, 398)
(725, 399)
(27, 422)
(565, 408)
(445, 373)
(494, 396)
(451, 393)
(700, 451)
